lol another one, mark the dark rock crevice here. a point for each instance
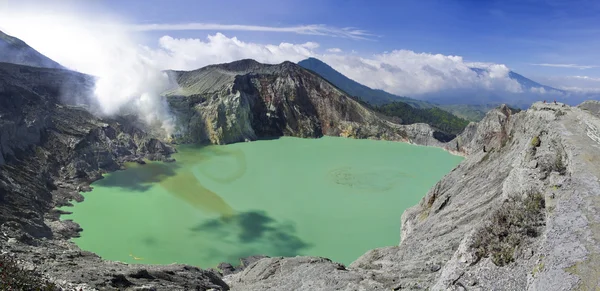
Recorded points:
(50, 151)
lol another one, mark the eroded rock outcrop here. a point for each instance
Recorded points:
(592, 106)
(52, 147)
(520, 212)
(246, 100)
(521, 215)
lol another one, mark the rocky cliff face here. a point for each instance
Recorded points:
(246, 100)
(52, 147)
(592, 106)
(521, 215)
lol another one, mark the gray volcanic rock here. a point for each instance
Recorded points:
(520, 216)
(593, 106)
(301, 273)
(52, 147)
(519, 213)
(73, 269)
(228, 269)
(15, 51)
(246, 100)
(491, 132)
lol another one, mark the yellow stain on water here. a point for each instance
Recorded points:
(135, 258)
(183, 211)
(179, 180)
(185, 186)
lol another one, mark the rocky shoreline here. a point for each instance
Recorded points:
(519, 215)
(53, 147)
(455, 239)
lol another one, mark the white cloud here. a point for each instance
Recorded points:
(595, 90)
(401, 72)
(539, 90)
(127, 79)
(578, 84)
(480, 65)
(409, 73)
(189, 54)
(88, 44)
(585, 78)
(314, 29)
(568, 66)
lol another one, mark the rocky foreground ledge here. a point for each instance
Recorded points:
(520, 212)
(52, 147)
(519, 215)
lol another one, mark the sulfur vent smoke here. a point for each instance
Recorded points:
(126, 80)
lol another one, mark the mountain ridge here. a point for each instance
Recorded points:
(275, 100)
(373, 96)
(17, 51)
(465, 103)
(519, 213)
(525, 82)
(377, 97)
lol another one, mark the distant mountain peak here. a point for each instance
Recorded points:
(313, 62)
(531, 91)
(372, 96)
(313, 59)
(526, 83)
(16, 51)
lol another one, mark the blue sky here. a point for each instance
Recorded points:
(515, 33)
(556, 42)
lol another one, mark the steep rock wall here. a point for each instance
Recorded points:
(52, 148)
(519, 216)
(247, 100)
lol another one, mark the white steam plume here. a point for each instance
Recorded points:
(127, 81)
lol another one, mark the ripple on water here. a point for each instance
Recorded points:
(377, 179)
(282, 197)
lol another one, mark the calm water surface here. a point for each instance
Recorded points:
(329, 197)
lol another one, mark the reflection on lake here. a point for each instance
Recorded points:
(329, 197)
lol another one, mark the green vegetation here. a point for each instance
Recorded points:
(469, 112)
(535, 141)
(435, 117)
(408, 110)
(517, 219)
(472, 112)
(559, 166)
(538, 268)
(12, 277)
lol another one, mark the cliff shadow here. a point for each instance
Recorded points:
(139, 178)
(254, 232)
(268, 138)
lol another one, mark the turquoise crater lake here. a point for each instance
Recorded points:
(329, 197)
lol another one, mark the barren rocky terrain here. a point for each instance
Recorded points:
(520, 212)
(519, 215)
